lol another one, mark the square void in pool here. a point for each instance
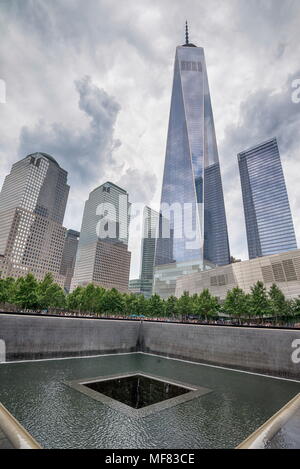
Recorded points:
(138, 394)
(137, 391)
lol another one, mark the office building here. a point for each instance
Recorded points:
(150, 226)
(69, 257)
(269, 223)
(280, 269)
(32, 207)
(192, 178)
(135, 286)
(103, 257)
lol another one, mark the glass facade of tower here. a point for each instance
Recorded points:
(150, 225)
(69, 257)
(269, 222)
(192, 172)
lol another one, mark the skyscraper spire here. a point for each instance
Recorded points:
(186, 33)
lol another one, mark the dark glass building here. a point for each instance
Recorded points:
(269, 223)
(69, 257)
(150, 222)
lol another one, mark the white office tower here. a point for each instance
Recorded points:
(103, 257)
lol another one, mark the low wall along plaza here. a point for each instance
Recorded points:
(267, 351)
(33, 337)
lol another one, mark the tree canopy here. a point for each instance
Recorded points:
(29, 294)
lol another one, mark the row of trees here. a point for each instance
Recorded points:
(260, 303)
(28, 293)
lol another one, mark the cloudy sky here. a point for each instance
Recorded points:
(89, 81)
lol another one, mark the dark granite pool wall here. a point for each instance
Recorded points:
(33, 337)
(259, 350)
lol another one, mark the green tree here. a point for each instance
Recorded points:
(7, 290)
(50, 294)
(88, 299)
(130, 304)
(205, 305)
(278, 305)
(142, 306)
(236, 304)
(98, 294)
(113, 302)
(57, 297)
(259, 302)
(170, 306)
(44, 291)
(184, 305)
(74, 299)
(293, 307)
(156, 306)
(26, 294)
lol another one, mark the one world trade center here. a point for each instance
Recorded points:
(197, 237)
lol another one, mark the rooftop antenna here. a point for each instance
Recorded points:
(186, 33)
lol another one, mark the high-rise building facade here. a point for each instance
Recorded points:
(135, 286)
(150, 226)
(269, 223)
(32, 207)
(103, 257)
(192, 175)
(69, 257)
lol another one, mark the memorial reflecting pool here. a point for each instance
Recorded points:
(39, 395)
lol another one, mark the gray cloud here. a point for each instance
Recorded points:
(78, 26)
(251, 47)
(144, 184)
(265, 114)
(84, 152)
